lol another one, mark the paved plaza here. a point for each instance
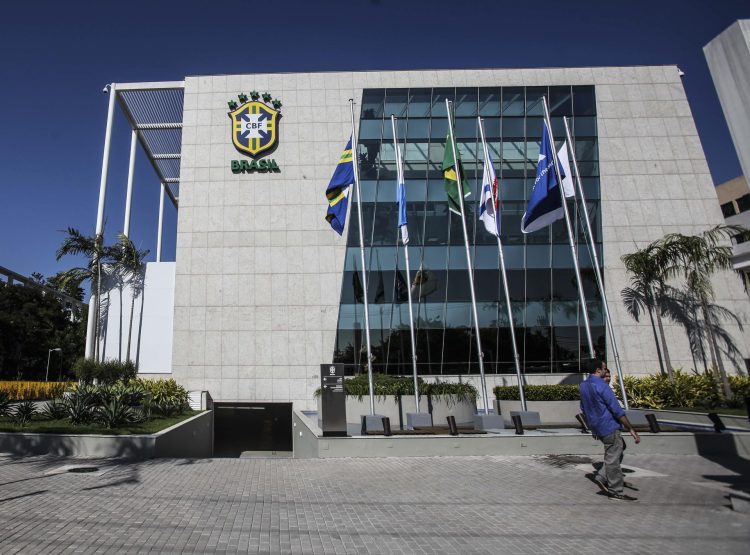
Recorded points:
(539, 504)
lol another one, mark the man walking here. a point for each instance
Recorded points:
(604, 416)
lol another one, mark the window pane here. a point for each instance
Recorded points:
(419, 103)
(534, 105)
(728, 209)
(489, 102)
(560, 101)
(466, 102)
(513, 127)
(513, 101)
(370, 129)
(584, 101)
(395, 103)
(372, 103)
(584, 127)
(466, 128)
(388, 129)
(743, 203)
(438, 101)
(418, 129)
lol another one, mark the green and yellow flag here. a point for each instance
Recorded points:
(451, 180)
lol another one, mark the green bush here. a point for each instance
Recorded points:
(55, 409)
(23, 412)
(553, 392)
(695, 390)
(106, 372)
(165, 397)
(115, 412)
(384, 384)
(4, 403)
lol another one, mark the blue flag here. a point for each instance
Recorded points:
(545, 204)
(401, 199)
(337, 192)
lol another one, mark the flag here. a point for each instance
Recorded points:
(545, 204)
(562, 159)
(488, 211)
(337, 192)
(451, 179)
(401, 199)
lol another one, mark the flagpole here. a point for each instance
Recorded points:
(355, 165)
(502, 271)
(399, 175)
(597, 268)
(581, 296)
(468, 258)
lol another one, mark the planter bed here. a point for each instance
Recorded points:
(39, 426)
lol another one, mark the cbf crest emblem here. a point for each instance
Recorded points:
(255, 130)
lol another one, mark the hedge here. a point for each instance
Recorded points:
(384, 384)
(36, 391)
(555, 392)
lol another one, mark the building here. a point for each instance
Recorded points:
(734, 199)
(728, 57)
(264, 291)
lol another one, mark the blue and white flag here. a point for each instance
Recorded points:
(401, 199)
(488, 210)
(545, 203)
(337, 192)
(563, 161)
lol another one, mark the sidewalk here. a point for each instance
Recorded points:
(536, 504)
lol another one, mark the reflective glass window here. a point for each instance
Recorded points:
(466, 102)
(395, 103)
(513, 101)
(489, 102)
(534, 104)
(419, 103)
(372, 103)
(438, 101)
(418, 129)
(584, 100)
(560, 101)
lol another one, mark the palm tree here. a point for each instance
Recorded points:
(92, 247)
(698, 258)
(647, 284)
(129, 260)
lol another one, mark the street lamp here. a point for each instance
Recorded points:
(49, 354)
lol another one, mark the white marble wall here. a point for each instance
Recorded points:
(258, 273)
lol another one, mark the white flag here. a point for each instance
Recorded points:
(487, 210)
(567, 182)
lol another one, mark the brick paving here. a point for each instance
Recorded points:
(397, 505)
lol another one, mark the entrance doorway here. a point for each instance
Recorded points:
(252, 428)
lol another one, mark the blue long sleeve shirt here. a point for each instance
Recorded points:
(600, 406)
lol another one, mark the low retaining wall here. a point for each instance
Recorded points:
(309, 443)
(550, 412)
(190, 438)
(442, 407)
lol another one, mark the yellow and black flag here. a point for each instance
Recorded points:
(451, 178)
(337, 192)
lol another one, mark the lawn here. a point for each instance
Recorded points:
(39, 425)
(720, 410)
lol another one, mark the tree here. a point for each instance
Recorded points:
(647, 268)
(31, 323)
(92, 247)
(698, 257)
(130, 263)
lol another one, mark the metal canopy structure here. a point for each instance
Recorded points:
(154, 111)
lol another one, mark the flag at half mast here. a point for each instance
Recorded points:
(337, 192)
(488, 210)
(401, 198)
(451, 177)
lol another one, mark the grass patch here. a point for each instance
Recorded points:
(718, 410)
(38, 425)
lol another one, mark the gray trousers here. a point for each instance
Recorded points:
(614, 446)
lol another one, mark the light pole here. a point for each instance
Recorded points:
(49, 354)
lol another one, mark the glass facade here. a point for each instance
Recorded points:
(541, 279)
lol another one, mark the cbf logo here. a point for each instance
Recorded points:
(255, 131)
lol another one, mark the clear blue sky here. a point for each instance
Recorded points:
(55, 57)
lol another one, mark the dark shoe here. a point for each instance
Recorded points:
(599, 481)
(630, 485)
(621, 497)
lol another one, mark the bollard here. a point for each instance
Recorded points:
(386, 426)
(518, 424)
(582, 421)
(718, 424)
(452, 428)
(653, 424)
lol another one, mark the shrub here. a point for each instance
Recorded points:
(553, 392)
(23, 412)
(696, 390)
(107, 372)
(37, 391)
(80, 405)
(740, 387)
(55, 409)
(114, 413)
(4, 403)
(165, 397)
(384, 384)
